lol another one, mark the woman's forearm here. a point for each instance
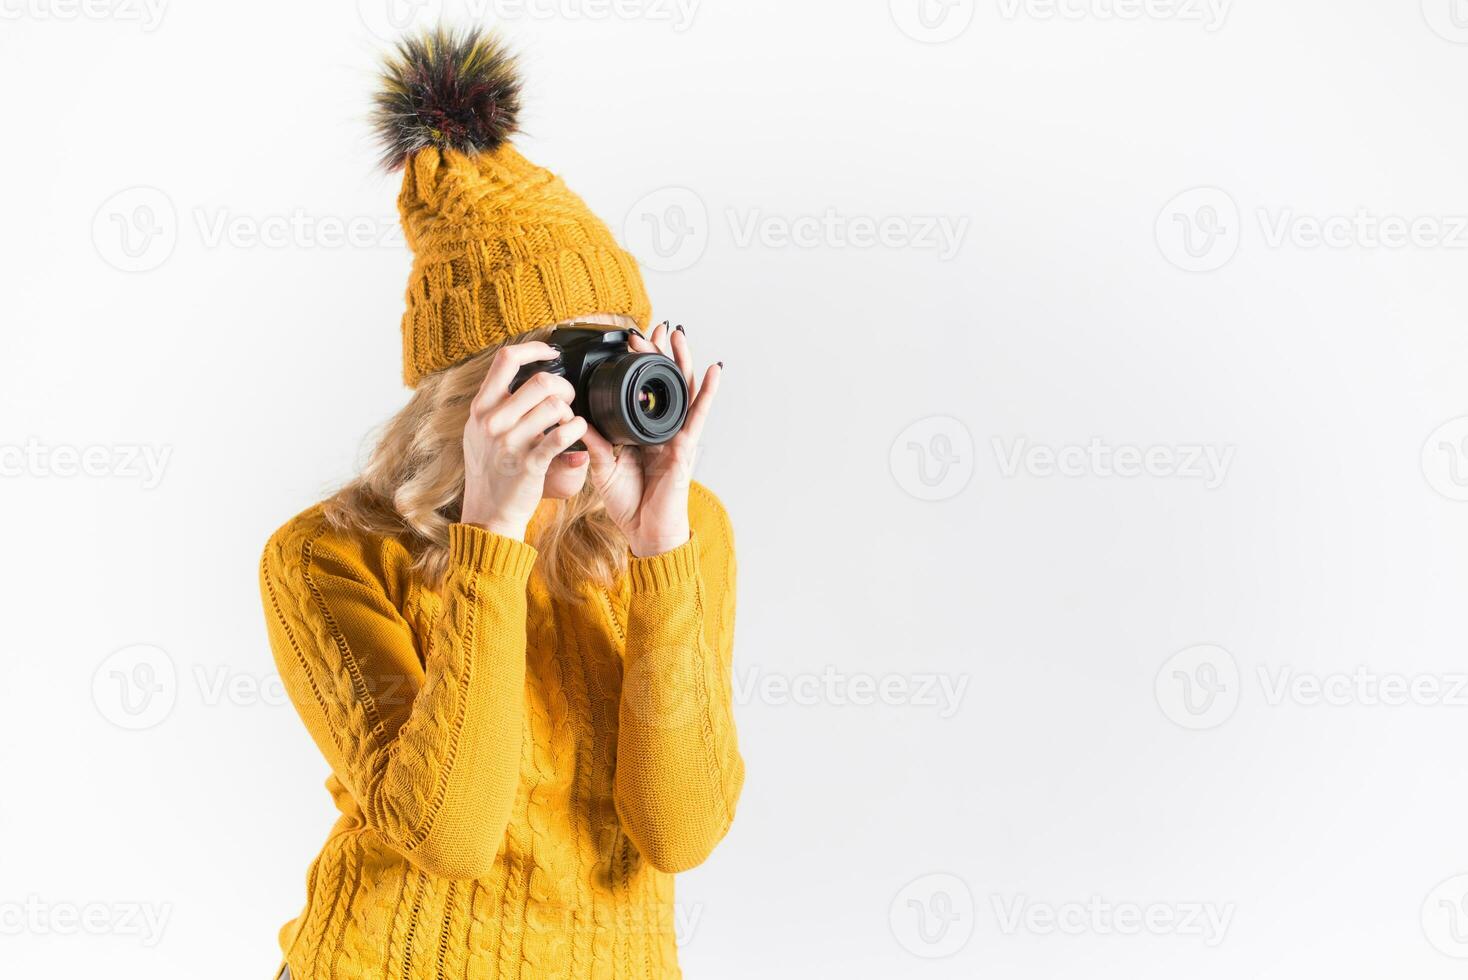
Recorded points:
(436, 776)
(679, 771)
(449, 779)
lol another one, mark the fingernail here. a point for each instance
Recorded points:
(638, 332)
(721, 365)
(680, 329)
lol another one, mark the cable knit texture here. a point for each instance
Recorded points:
(517, 776)
(501, 246)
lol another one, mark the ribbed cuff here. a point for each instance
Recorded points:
(665, 571)
(477, 550)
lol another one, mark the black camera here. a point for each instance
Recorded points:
(633, 399)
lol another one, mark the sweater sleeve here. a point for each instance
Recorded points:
(679, 771)
(430, 749)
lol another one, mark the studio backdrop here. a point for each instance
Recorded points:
(1093, 428)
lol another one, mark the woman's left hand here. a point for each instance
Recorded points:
(645, 488)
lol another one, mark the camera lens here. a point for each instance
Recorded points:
(637, 399)
(653, 398)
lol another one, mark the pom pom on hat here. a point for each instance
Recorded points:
(450, 89)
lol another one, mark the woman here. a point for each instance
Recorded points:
(514, 653)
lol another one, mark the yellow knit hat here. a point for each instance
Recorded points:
(500, 245)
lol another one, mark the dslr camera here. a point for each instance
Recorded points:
(632, 398)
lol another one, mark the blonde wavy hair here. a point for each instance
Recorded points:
(412, 486)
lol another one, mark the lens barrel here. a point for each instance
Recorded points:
(637, 399)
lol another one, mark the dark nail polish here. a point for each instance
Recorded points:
(638, 332)
(680, 329)
(721, 365)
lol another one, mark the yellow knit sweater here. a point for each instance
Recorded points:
(518, 776)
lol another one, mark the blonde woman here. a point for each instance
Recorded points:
(513, 651)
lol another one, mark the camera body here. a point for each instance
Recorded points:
(631, 398)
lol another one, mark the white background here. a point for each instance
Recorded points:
(215, 318)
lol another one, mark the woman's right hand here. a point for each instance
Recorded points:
(507, 449)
